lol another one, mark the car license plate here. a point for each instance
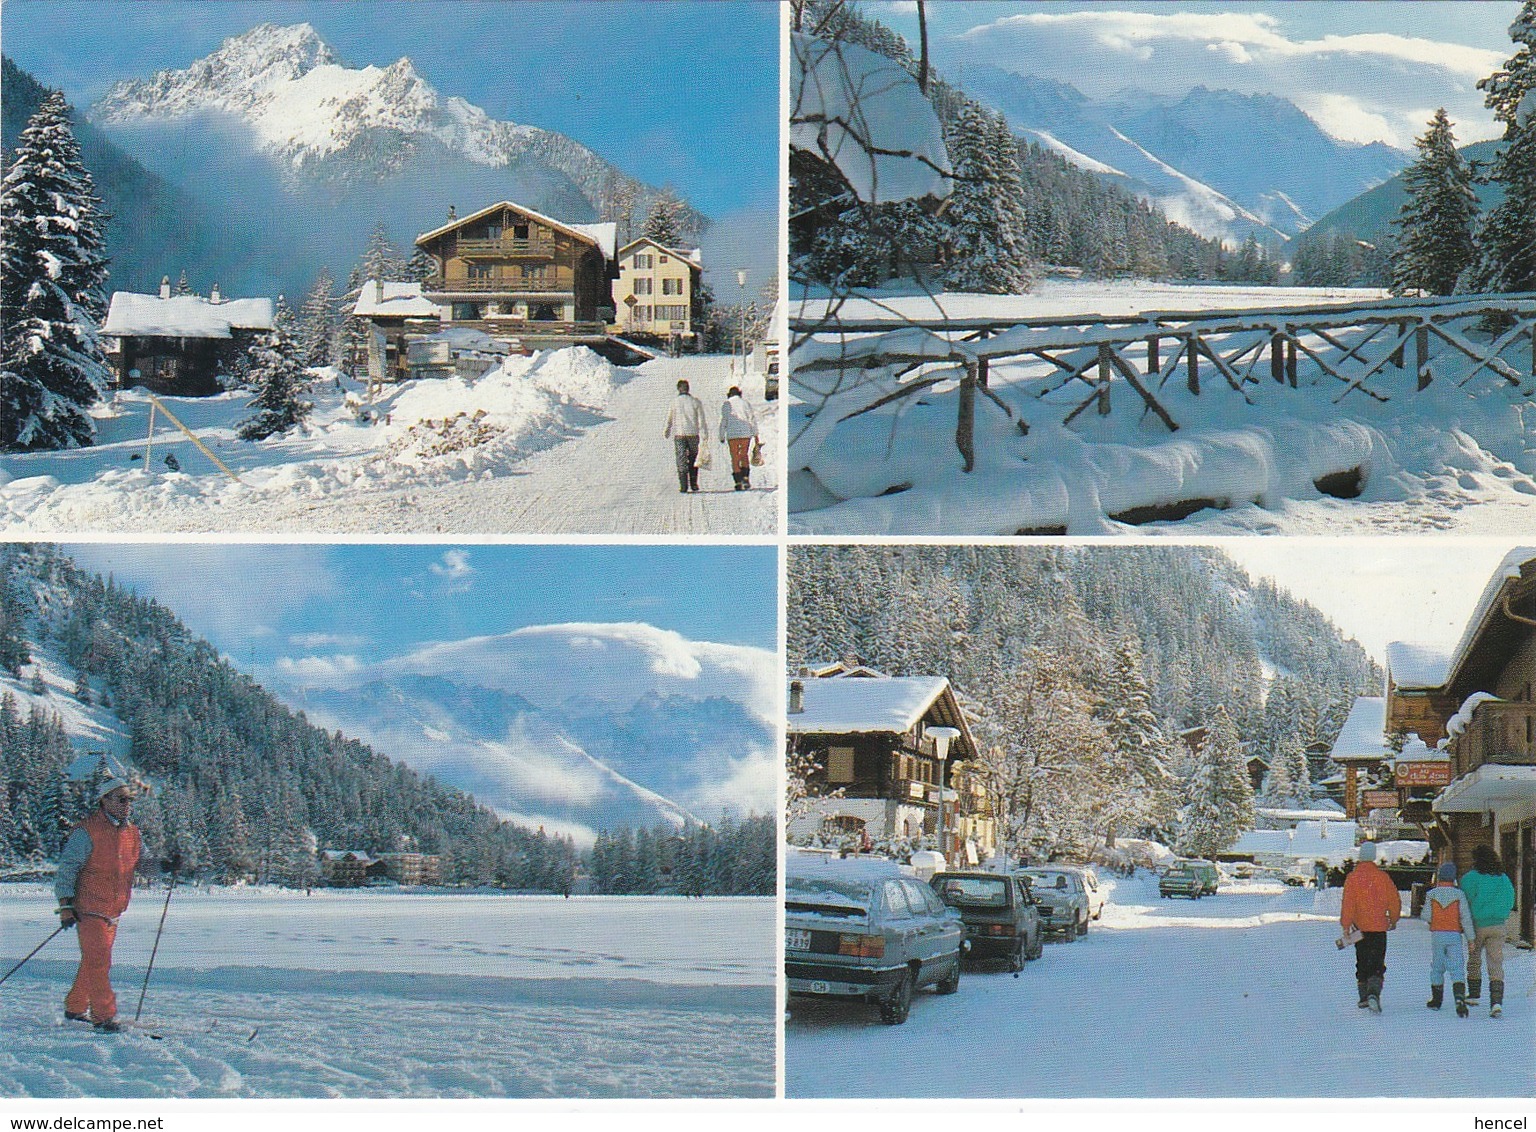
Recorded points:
(819, 987)
(796, 940)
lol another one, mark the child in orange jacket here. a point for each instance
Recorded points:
(1450, 928)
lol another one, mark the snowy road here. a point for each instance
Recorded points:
(576, 448)
(1239, 995)
(262, 993)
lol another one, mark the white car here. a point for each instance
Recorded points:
(1097, 895)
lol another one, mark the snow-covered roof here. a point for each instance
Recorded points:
(1508, 569)
(183, 316)
(865, 114)
(347, 854)
(1363, 735)
(865, 705)
(694, 256)
(604, 236)
(1415, 750)
(1463, 717)
(401, 300)
(1416, 667)
(1490, 785)
(1320, 811)
(1333, 840)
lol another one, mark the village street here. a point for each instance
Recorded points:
(595, 463)
(1241, 994)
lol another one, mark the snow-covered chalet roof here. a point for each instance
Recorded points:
(841, 705)
(401, 300)
(1416, 667)
(1507, 570)
(183, 316)
(848, 103)
(603, 236)
(1328, 839)
(1363, 735)
(694, 256)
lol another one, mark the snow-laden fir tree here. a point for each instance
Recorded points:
(666, 219)
(1218, 806)
(1506, 241)
(52, 288)
(421, 267)
(182, 286)
(1289, 782)
(1139, 747)
(987, 249)
(1434, 241)
(382, 260)
(278, 377)
(317, 323)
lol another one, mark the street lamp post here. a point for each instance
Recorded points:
(942, 737)
(741, 325)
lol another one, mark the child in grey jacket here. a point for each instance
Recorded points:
(1450, 930)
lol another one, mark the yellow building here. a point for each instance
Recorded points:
(657, 290)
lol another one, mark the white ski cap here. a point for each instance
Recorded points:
(110, 785)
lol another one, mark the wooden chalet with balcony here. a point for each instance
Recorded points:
(181, 345)
(508, 270)
(877, 775)
(1491, 739)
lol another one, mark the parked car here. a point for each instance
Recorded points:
(1062, 897)
(1097, 895)
(999, 913)
(866, 929)
(1193, 878)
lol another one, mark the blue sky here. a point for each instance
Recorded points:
(678, 93)
(258, 603)
(1367, 71)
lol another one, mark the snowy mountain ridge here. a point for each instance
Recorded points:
(304, 104)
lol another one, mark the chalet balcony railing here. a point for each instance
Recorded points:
(913, 791)
(1501, 732)
(505, 247)
(533, 328)
(494, 286)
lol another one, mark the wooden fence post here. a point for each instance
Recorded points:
(1277, 358)
(1193, 353)
(1290, 356)
(1401, 327)
(1105, 353)
(1154, 350)
(1421, 356)
(965, 425)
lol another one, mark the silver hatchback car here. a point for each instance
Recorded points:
(867, 929)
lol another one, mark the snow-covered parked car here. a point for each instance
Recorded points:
(1001, 918)
(1096, 893)
(869, 930)
(1192, 878)
(1062, 897)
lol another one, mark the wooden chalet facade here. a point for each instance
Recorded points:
(348, 868)
(1491, 797)
(507, 269)
(657, 291)
(180, 345)
(877, 774)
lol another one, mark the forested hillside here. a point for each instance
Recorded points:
(1080, 665)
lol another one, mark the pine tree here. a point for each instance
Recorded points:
(987, 250)
(1507, 239)
(1219, 806)
(317, 323)
(182, 286)
(421, 267)
(1434, 242)
(354, 328)
(278, 376)
(666, 219)
(52, 289)
(382, 260)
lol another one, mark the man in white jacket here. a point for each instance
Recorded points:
(686, 427)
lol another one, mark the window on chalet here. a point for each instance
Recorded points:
(840, 764)
(519, 231)
(671, 286)
(643, 286)
(673, 312)
(663, 259)
(643, 314)
(467, 312)
(643, 260)
(481, 271)
(492, 232)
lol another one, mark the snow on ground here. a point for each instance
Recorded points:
(1445, 459)
(270, 993)
(1237, 995)
(558, 443)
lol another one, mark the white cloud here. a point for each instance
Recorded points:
(327, 640)
(1363, 87)
(318, 670)
(455, 570)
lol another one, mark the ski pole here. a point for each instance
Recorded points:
(164, 909)
(31, 953)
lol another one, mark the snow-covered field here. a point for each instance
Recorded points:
(268, 993)
(559, 443)
(1237, 995)
(1447, 459)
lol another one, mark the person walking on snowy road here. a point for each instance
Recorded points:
(687, 428)
(738, 429)
(1492, 897)
(1371, 906)
(93, 885)
(1450, 928)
